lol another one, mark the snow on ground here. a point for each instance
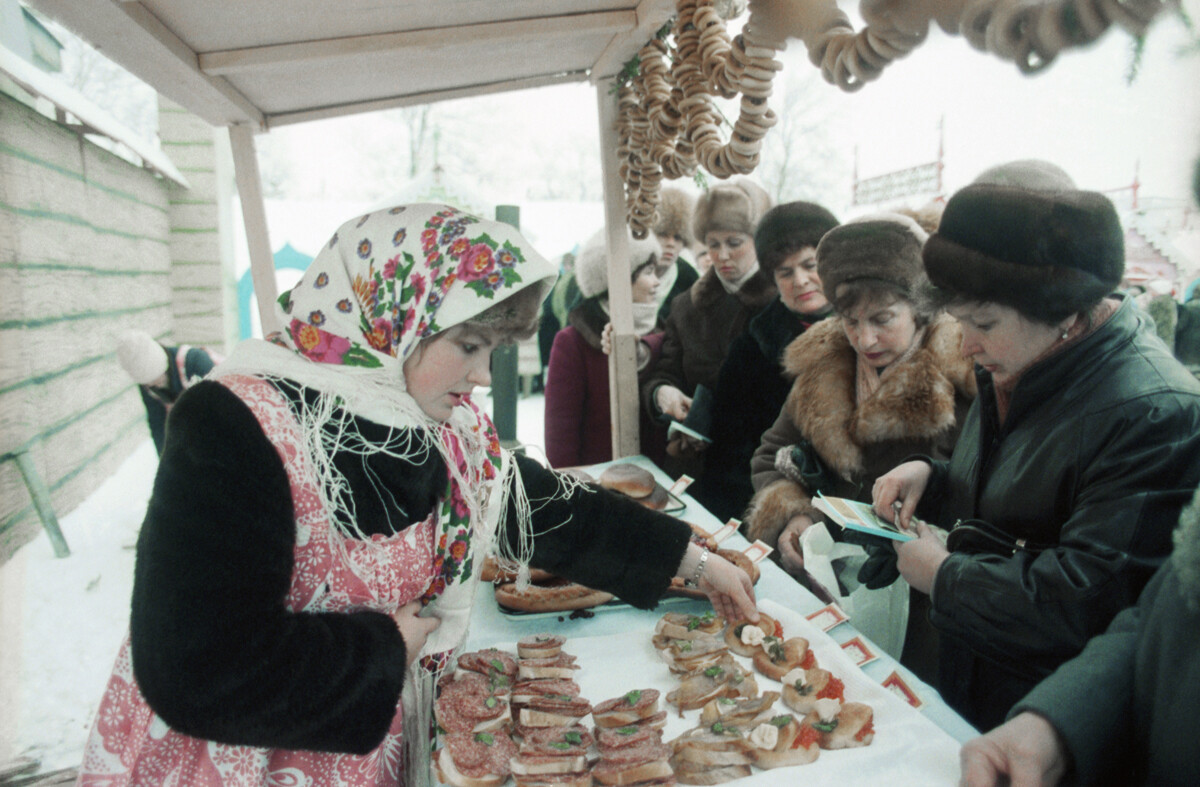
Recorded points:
(62, 619)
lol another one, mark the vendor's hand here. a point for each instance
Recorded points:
(1026, 751)
(414, 628)
(606, 339)
(729, 589)
(919, 560)
(904, 483)
(790, 556)
(672, 402)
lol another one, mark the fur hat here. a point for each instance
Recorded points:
(591, 267)
(736, 206)
(1047, 254)
(1027, 174)
(675, 215)
(788, 228)
(141, 357)
(882, 246)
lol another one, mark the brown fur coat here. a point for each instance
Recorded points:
(917, 409)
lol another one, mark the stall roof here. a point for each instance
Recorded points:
(270, 63)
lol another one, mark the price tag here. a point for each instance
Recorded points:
(757, 551)
(726, 530)
(681, 484)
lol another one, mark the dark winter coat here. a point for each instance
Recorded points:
(1098, 453)
(214, 565)
(578, 418)
(1126, 706)
(750, 390)
(919, 407)
(185, 365)
(703, 323)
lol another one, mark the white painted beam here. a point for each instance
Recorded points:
(254, 216)
(130, 35)
(622, 363)
(651, 15)
(234, 61)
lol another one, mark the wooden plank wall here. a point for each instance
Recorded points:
(85, 253)
(203, 286)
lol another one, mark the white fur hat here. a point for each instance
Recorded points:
(141, 357)
(591, 267)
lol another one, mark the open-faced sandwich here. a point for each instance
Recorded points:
(474, 759)
(678, 625)
(745, 638)
(744, 712)
(498, 666)
(688, 655)
(561, 665)
(842, 725)
(725, 678)
(782, 741)
(628, 709)
(467, 703)
(540, 646)
(777, 657)
(711, 754)
(802, 688)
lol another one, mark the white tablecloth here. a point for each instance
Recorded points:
(491, 628)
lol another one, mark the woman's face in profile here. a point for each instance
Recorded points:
(731, 253)
(443, 370)
(1001, 339)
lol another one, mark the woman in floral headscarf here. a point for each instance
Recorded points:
(306, 569)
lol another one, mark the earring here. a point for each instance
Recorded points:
(1064, 334)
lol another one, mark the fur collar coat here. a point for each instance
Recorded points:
(917, 409)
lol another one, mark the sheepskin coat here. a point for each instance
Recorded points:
(917, 409)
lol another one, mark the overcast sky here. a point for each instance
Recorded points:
(1079, 113)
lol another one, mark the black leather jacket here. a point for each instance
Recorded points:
(1099, 452)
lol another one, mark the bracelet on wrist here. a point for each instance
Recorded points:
(694, 580)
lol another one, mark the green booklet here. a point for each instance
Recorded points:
(859, 516)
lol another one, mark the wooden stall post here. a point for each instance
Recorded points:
(254, 216)
(505, 380)
(622, 363)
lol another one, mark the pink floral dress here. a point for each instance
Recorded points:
(131, 745)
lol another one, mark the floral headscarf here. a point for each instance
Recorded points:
(384, 282)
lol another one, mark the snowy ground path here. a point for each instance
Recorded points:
(62, 620)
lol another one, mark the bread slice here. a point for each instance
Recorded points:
(853, 727)
(777, 658)
(818, 684)
(620, 774)
(677, 625)
(629, 708)
(796, 744)
(736, 642)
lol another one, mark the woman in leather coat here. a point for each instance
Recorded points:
(1074, 461)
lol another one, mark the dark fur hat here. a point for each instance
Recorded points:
(675, 215)
(885, 247)
(788, 228)
(736, 206)
(1047, 254)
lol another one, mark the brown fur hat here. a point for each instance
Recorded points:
(882, 246)
(736, 206)
(675, 208)
(1047, 254)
